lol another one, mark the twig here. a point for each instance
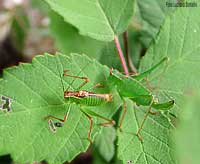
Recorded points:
(128, 57)
(121, 55)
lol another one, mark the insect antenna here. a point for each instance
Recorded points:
(63, 88)
(81, 70)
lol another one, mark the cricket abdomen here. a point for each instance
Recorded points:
(92, 101)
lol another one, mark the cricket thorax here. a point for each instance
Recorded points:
(78, 94)
(86, 94)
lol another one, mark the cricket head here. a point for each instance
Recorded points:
(108, 97)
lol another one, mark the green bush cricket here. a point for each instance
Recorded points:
(127, 87)
(131, 87)
(83, 98)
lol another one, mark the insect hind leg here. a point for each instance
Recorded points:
(89, 115)
(91, 126)
(143, 121)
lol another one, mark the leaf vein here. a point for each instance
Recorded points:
(27, 86)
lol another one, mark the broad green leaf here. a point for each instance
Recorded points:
(36, 92)
(187, 134)
(68, 39)
(105, 143)
(179, 40)
(149, 16)
(156, 147)
(99, 19)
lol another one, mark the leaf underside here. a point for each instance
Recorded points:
(99, 19)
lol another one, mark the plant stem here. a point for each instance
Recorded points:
(128, 57)
(121, 55)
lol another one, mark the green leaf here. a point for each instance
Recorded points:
(156, 147)
(68, 40)
(187, 134)
(179, 41)
(36, 92)
(108, 56)
(150, 15)
(105, 143)
(99, 19)
(135, 46)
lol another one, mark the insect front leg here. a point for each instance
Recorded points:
(149, 71)
(98, 85)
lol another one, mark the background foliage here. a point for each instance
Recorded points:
(84, 32)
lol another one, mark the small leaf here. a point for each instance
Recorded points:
(151, 15)
(99, 19)
(36, 91)
(105, 143)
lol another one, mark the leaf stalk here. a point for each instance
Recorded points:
(121, 55)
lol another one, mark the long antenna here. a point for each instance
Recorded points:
(77, 75)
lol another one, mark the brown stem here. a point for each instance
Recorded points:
(128, 57)
(121, 55)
